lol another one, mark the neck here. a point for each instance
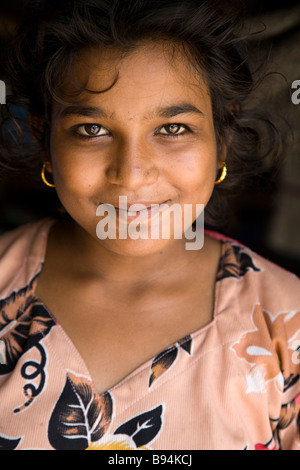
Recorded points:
(92, 258)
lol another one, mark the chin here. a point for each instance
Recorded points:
(136, 248)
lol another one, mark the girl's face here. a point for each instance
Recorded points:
(150, 138)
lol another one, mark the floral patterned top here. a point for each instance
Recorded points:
(234, 384)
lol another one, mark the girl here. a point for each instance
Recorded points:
(118, 339)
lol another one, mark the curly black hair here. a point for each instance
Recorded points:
(54, 32)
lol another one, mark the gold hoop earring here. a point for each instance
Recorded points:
(223, 175)
(44, 178)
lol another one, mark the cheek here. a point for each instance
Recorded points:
(74, 174)
(196, 171)
(79, 179)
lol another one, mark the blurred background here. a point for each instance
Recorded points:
(265, 217)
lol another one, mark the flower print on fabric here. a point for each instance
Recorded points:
(163, 361)
(267, 446)
(48, 400)
(235, 262)
(269, 361)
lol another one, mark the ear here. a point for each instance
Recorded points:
(48, 167)
(225, 141)
(223, 145)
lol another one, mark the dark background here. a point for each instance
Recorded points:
(265, 216)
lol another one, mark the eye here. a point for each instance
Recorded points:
(91, 130)
(173, 129)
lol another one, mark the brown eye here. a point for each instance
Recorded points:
(92, 130)
(173, 129)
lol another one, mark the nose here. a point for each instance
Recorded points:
(131, 166)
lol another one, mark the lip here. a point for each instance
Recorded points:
(147, 204)
(139, 209)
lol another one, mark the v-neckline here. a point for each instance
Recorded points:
(146, 364)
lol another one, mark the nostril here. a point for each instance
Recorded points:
(131, 175)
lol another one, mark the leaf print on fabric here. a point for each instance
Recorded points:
(289, 418)
(235, 262)
(186, 344)
(290, 413)
(143, 428)
(9, 443)
(23, 323)
(80, 416)
(290, 381)
(268, 348)
(163, 361)
(17, 297)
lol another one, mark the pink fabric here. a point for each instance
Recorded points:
(234, 384)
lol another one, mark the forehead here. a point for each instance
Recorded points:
(157, 70)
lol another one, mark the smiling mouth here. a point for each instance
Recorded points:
(143, 211)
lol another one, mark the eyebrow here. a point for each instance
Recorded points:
(96, 112)
(172, 111)
(79, 110)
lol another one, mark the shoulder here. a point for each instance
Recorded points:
(264, 301)
(22, 252)
(259, 279)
